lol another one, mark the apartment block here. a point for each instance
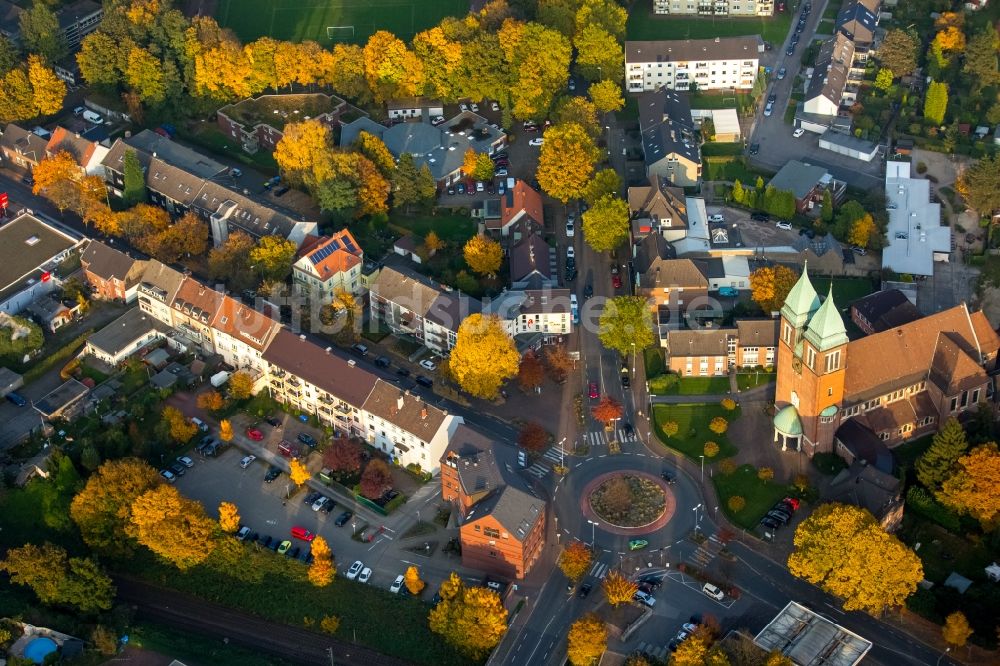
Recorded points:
(722, 63)
(716, 8)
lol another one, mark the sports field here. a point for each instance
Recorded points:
(334, 21)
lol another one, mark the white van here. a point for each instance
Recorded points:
(574, 308)
(201, 424)
(92, 117)
(713, 591)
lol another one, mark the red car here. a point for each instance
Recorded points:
(616, 278)
(302, 533)
(594, 393)
(255, 434)
(792, 502)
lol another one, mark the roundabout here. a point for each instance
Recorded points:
(628, 502)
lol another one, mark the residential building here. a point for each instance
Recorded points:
(125, 336)
(87, 153)
(714, 352)
(78, 19)
(870, 487)
(712, 64)
(857, 21)
(807, 183)
(669, 143)
(915, 234)
(258, 123)
(193, 311)
(52, 313)
(716, 8)
(179, 179)
(30, 252)
(469, 470)
(901, 383)
(21, 148)
(157, 289)
(413, 432)
(533, 264)
(544, 312)
(111, 274)
(406, 108)
(64, 402)
(826, 88)
(658, 208)
(677, 284)
(519, 205)
(883, 310)
(756, 343)
(442, 147)
(329, 263)
(242, 334)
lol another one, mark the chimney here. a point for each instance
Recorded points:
(328, 350)
(399, 402)
(423, 412)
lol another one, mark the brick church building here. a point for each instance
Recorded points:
(857, 398)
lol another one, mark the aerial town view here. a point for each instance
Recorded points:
(499, 332)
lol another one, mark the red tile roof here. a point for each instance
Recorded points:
(520, 200)
(345, 255)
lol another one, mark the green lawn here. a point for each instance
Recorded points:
(719, 100)
(789, 116)
(698, 386)
(728, 169)
(825, 27)
(642, 24)
(692, 421)
(355, 20)
(210, 138)
(759, 495)
(194, 648)
(751, 380)
(845, 290)
(654, 362)
(832, 9)
(721, 149)
(450, 227)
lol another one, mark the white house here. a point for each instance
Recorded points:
(406, 427)
(242, 334)
(711, 64)
(329, 263)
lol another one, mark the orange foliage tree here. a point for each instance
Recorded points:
(575, 560)
(607, 410)
(619, 589)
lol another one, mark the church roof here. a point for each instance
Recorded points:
(826, 328)
(787, 422)
(802, 300)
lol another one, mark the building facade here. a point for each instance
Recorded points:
(723, 63)
(112, 275)
(901, 383)
(717, 8)
(752, 344)
(330, 263)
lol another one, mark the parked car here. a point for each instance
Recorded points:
(168, 475)
(272, 474)
(312, 497)
(536, 142)
(187, 462)
(474, 108)
(397, 584)
(616, 279)
(463, 107)
(593, 392)
(772, 98)
(284, 546)
(790, 50)
(728, 292)
(273, 422)
(16, 399)
(792, 503)
(760, 217)
(570, 252)
(307, 439)
(781, 224)
(178, 469)
(770, 523)
(645, 598)
(798, 132)
(428, 365)
(781, 73)
(302, 533)
(461, 188)
(713, 591)
(365, 575)
(343, 518)
(246, 461)
(265, 541)
(402, 372)
(319, 503)
(857, 249)
(768, 109)
(354, 570)
(588, 291)
(501, 172)
(495, 106)
(255, 434)
(570, 228)
(437, 120)
(243, 533)
(424, 381)
(716, 217)
(329, 505)
(754, 148)
(570, 273)
(584, 590)
(383, 362)
(652, 580)
(287, 449)
(360, 349)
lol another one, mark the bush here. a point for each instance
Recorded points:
(801, 482)
(711, 449)
(727, 466)
(921, 167)
(728, 404)
(921, 501)
(655, 364)
(718, 425)
(736, 503)
(330, 624)
(395, 503)
(663, 383)
(765, 474)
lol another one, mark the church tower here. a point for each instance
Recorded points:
(812, 361)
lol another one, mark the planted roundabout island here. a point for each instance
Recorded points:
(629, 502)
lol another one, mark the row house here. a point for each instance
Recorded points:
(715, 352)
(717, 8)
(242, 334)
(112, 275)
(722, 63)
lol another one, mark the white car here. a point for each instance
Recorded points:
(474, 107)
(187, 462)
(365, 575)
(397, 584)
(355, 569)
(480, 186)
(713, 591)
(437, 120)
(495, 106)
(428, 365)
(717, 217)
(570, 228)
(501, 172)
(536, 142)
(320, 503)
(768, 109)
(645, 598)
(799, 132)
(247, 461)
(787, 226)
(570, 252)
(168, 475)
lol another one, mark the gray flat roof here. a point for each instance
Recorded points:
(809, 639)
(27, 244)
(914, 233)
(61, 397)
(122, 331)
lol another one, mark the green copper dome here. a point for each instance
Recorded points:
(802, 300)
(826, 328)
(787, 422)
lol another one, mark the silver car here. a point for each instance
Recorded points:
(319, 503)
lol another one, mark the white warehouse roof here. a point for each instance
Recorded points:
(915, 235)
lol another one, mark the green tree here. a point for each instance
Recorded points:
(10, 56)
(374, 149)
(40, 32)
(405, 191)
(90, 459)
(338, 195)
(605, 182)
(59, 579)
(826, 210)
(626, 324)
(936, 463)
(605, 224)
(981, 58)
(484, 168)
(883, 80)
(135, 180)
(599, 54)
(738, 193)
(537, 59)
(898, 52)
(606, 96)
(936, 102)
(979, 185)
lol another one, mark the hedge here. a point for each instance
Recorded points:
(920, 501)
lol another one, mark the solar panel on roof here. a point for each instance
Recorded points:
(350, 247)
(321, 254)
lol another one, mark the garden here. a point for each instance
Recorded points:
(672, 384)
(627, 500)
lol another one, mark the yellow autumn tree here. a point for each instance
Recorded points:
(433, 242)
(972, 488)
(770, 285)
(845, 551)
(956, 629)
(304, 153)
(322, 570)
(483, 255)
(566, 162)
(861, 231)
(375, 150)
(181, 429)
(391, 69)
(718, 425)
(240, 386)
(472, 619)
(61, 167)
(484, 356)
(48, 90)
(103, 509)
(229, 517)
(575, 560)
(469, 162)
(607, 96)
(297, 472)
(587, 640)
(173, 526)
(413, 582)
(951, 39)
(225, 430)
(619, 589)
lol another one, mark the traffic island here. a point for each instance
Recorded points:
(628, 502)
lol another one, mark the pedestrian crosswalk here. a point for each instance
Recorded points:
(601, 437)
(544, 465)
(600, 570)
(706, 552)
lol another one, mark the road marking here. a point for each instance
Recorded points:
(589, 459)
(603, 455)
(835, 609)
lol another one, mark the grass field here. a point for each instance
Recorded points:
(355, 20)
(692, 421)
(642, 24)
(759, 495)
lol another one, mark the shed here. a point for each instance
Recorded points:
(844, 144)
(727, 125)
(958, 581)
(157, 358)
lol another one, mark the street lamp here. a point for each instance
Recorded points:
(593, 528)
(702, 468)
(695, 509)
(946, 651)
(562, 453)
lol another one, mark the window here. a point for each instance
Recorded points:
(491, 533)
(826, 419)
(954, 404)
(975, 396)
(829, 391)
(811, 357)
(787, 334)
(833, 361)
